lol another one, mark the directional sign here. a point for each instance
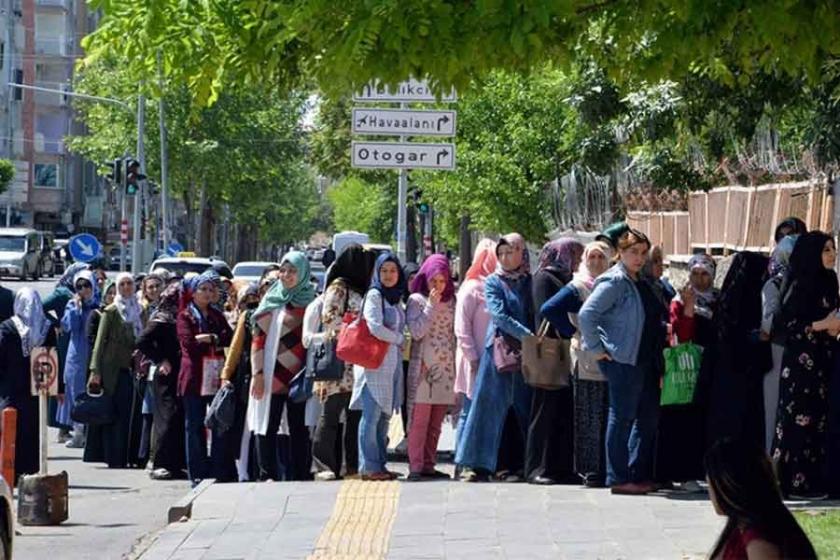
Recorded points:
(409, 90)
(174, 248)
(84, 247)
(403, 155)
(403, 122)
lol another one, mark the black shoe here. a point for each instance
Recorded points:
(594, 480)
(414, 477)
(542, 481)
(435, 474)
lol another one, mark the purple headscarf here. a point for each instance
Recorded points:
(560, 255)
(432, 266)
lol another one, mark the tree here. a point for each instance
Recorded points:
(7, 174)
(366, 207)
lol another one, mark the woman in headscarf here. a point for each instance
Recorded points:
(203, 332)
(378, 392)
(109, 292)
(510, 302)
(149, 297)
(623, 323)
(789, 226)
(29, 328)
(430, 316)
(590, 385)
(74, 322)
(471, 322)
(159, 343)
(653, 272)
(808, 313)
(277, 355)
(150, 292)
(775, 333)
(549, 455)
(410, 270)
(117, 444)
(54, 306)
(680, 441)
(237, 370)
(347, 281)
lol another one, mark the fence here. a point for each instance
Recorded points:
(735, 218)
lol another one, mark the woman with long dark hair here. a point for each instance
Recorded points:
(743, 488)
(808, 313)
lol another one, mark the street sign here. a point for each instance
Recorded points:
(174, 248)
(403, 155)
(43, 364)
(407, 91)
(84, 247)
(403, 122)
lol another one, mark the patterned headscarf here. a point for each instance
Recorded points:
(516, 241)
(87, 275)
(300, 295)
(704, 262)
(394, 294)
(559, 256)
(705, 301)
(29, 320)
(66, 280)
(484, 261)
(128, 307)
(780, 257)
(432, 266)
(584, 274)
(168, 305)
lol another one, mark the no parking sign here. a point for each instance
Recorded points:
(44, 370)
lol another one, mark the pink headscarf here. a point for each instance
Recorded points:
(432, 266)
(484, 261)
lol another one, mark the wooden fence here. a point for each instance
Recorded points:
(735, 218)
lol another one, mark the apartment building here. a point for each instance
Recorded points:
(39, 45)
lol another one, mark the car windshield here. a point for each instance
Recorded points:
(248, 269)
(12, 244)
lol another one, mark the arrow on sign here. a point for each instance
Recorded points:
(444, 119)
(87, 250)
(362, 121)
(442, 153)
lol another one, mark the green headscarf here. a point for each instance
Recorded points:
(300, 295)
(109, 283)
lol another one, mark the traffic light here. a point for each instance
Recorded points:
(132, 176)
(115, 175)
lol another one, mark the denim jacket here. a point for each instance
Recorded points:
(510, 306)
(612, 318)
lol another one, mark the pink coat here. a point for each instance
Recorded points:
(471, 322)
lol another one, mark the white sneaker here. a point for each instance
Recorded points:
(325, 476)
(75, 443)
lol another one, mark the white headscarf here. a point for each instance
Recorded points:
(29, 320)
(128, 307)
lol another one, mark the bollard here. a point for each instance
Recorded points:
(8, 434)
(42, 499)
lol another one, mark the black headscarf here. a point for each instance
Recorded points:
(354, 266)
(409, 268)
(739, 306)
(809, 291)
(168, 305)
(794, 225)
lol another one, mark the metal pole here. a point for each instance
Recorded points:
(42, 426)
(136, 261)
(123, 218)
(402, 202)
(164, 164)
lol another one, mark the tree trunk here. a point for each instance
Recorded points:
(464, 247)
(411, 233)
(189, 240)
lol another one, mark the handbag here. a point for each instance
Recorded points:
(322, 363)
(93, 409)
(545, 361)
(221, 415)
(300, 387)
(211, 374)
(682, 365)
(357, 345)
(507, 353)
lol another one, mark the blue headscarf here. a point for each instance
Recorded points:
(209, 276)
(66, 280)
(391, 295)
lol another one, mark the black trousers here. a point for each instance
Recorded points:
(511, 453)
(300, 460)
(550, 446)
(326, 448)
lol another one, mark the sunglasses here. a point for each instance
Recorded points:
(83, 285)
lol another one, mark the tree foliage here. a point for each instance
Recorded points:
(362, 206)
(7, 174)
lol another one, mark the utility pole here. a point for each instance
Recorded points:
(136, 260)
(402, 203)
(164, 163)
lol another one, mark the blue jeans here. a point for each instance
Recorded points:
(494, 394)
(466, 404)
(373, 435)
(631, 426)
(198, 463)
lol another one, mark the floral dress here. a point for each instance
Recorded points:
(799, 445)
(338, 299)
(431, 370)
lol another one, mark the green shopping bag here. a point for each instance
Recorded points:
(682, 364)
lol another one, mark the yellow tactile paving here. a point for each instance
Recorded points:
(360, 525)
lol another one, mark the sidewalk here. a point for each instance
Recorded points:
(432, 520)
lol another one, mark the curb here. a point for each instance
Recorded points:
(183, 507)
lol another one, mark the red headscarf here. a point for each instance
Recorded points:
(484, 261)
(432, 266)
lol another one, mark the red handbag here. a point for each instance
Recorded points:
(356, 345)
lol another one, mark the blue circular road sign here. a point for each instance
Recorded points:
(84, 247)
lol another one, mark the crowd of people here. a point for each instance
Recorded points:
(210, 377)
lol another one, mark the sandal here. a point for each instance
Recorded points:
(377, 477)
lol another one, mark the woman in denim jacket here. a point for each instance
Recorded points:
(622, 324)
(510, 304)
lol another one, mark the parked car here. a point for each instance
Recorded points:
(250, 271)
(47, 257)
(20, 253)
(179, 266)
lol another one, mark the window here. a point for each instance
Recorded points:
(46, 175)
(18, 80)
(12, 244)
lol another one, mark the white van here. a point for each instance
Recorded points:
(20, 253)
(345, 238)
